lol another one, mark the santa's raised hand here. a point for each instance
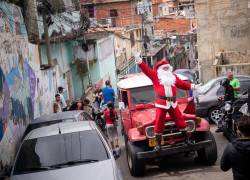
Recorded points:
(137, 56)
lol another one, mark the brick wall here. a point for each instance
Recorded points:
(126, 13)
(173, 25)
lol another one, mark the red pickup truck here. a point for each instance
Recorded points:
(138, 113)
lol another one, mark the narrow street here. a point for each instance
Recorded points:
(72, 70)
(179, 168)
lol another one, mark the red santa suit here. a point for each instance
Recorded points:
(166, 91)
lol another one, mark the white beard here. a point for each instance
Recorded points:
(167, 78)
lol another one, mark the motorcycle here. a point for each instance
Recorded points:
(98, 117)
(231, 113)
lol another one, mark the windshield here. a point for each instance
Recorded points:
(206, 87)
(144, 95)
(63, 149)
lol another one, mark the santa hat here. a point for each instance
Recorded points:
(161, 63)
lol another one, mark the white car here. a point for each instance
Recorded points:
(65, 151)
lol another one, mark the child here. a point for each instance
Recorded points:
(111, 118)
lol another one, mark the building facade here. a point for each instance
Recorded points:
(223, 37)
(26, 92)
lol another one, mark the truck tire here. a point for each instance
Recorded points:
(136, 166)
(208, 155)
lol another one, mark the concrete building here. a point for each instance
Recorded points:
(80, 69)
(223, 37)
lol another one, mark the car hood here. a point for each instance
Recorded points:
(98, 171)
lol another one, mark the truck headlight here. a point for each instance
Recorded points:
(227, 107)
(150, 133)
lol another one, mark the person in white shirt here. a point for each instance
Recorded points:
(63, 102)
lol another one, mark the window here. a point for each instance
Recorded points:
(125, 98)
(45, 152)
(89, 11)
(142, 95)
(181, 94)
(113, 13)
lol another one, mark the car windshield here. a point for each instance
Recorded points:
(58, 151)
(144, 95)
(206, 87)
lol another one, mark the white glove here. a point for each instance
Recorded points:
(137, 56)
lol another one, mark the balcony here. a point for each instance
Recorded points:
(104, 22)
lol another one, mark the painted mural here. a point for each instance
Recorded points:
(24, 89)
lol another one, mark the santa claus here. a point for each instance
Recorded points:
(165, 84)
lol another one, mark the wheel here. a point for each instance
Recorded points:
(208, 155)
(136, 166)
(215, 114)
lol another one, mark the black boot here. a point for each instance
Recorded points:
(158, 141)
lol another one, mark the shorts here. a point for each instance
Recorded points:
(111, 132)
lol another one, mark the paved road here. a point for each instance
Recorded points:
(180, 168)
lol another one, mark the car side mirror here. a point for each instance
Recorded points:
(221, 82)
(244, 93)
(117, 152)
(121, 105)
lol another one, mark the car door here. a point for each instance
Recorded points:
(125, 113)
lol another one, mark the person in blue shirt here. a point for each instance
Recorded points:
(108, 93)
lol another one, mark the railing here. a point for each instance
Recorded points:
(127, 66)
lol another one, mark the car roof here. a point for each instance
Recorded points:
(236, 76)
(139, 80)
(184, 71)
(61, 128)
(57, 116)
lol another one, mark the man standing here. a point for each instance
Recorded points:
(57, 104)
(165, 84)
(63, 102)
(108, 93)
(237, 154)
(235, 83)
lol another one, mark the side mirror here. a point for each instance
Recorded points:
(244, 93)
(117, 152)
(121, 105)
(221, 82)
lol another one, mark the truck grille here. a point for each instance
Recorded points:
(170, 129)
